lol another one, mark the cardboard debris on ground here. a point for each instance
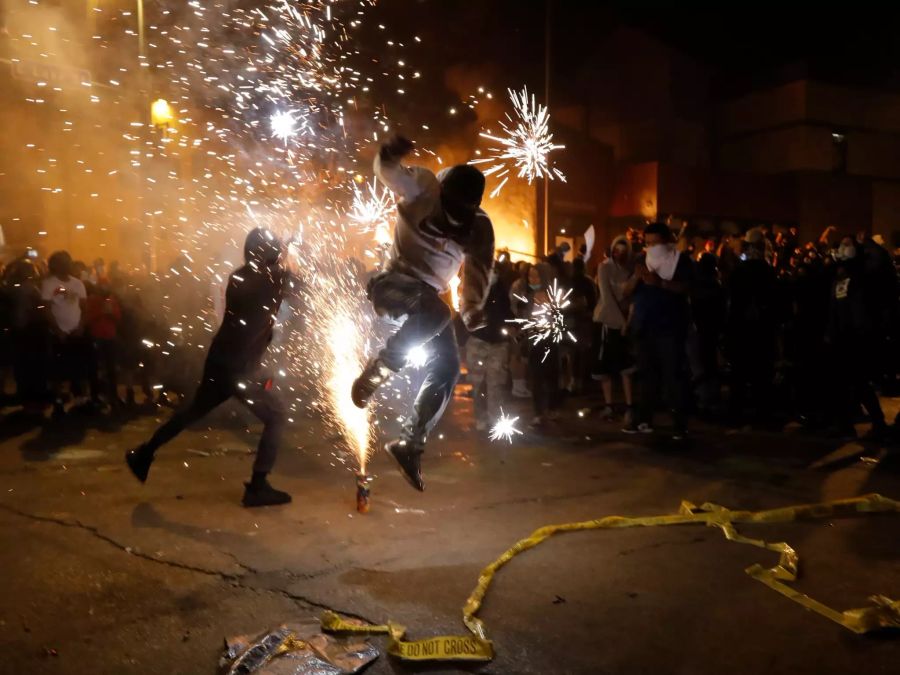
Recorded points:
(296, 649)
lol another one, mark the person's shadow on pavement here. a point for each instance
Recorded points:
(145, 515)
(54, 436)
(17, 424)
(58, 434)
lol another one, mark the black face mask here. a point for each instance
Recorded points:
(454, 223)
(462, 213)
(458, 217)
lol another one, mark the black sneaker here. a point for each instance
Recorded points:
(139, 461)
(373, 376)
(263, 494)
(409, 459)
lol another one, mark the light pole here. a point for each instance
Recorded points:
(161, 116)
(140, 18)
(547, 31)
(92, 4)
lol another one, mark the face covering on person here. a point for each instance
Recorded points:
(662, 259)
(535, 287)
(845, 252)
(462, 188)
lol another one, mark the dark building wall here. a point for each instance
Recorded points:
(584, 198)
(645, 100)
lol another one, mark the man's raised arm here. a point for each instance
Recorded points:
(407, 182)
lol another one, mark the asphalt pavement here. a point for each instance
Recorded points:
(104, 575)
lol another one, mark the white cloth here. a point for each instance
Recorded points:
(424, 254)
(588, 243)
(65, 299)
(663, 259)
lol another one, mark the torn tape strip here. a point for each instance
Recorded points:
(882, 614)
(441, 648)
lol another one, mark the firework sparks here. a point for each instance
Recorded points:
(418, 356)
(264, 93)
(346, 346)
(372, 210)
(505, 428)
(547, 323)
(283, 125)
(525, 146)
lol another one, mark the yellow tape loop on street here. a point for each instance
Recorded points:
(883, 613)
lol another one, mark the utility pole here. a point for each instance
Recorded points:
(144, 82)
(547, 34)
(140, 18)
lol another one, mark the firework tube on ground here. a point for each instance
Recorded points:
(363, 487)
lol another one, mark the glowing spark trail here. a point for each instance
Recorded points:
(505, 428)
(526, 144)
(373, 210)
(346, 347)
(547, 323)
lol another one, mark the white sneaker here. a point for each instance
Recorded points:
(644, 428)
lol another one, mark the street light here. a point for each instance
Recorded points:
(161, 114)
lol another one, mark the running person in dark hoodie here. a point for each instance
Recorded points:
(252, 299)
(440, 226)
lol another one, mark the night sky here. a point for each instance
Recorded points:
(744, 45)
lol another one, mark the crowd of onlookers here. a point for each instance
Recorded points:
(757, 329)
(77, 337)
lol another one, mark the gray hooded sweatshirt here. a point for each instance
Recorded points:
(423, 250)
(612, 310)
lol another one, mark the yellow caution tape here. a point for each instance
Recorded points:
(883, 613)
(442, 648)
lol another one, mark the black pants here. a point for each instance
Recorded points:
(752, 352)
(32, 351)
(427, 324)
(71, 362)
(543, 366)
(661, 361)
(218, 386)
(105, 357)
(810, 382)
(853, 385)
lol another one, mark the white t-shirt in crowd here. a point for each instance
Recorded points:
(65, 301)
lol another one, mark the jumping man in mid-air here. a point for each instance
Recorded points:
(440, 226)
(252, 299)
